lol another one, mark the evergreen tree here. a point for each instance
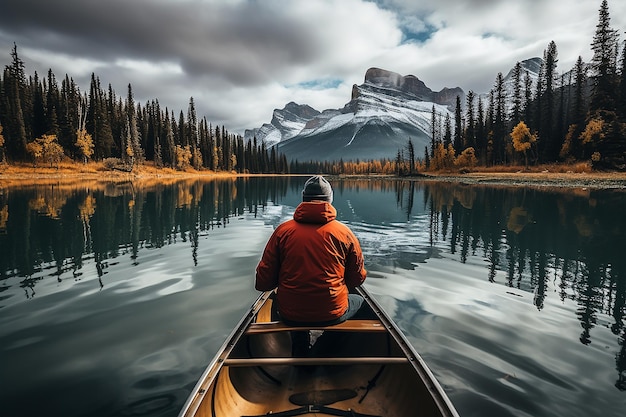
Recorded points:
(114, 109)
(168, 145)
(528, 98)
(447, 135)
(489, 129)
(135, 152)
(481, 132)
(38, 122)
(551, 143)
(603, 133)
(470, 122)
(458, 126)
(580, 80)
(537, 119)
(516, 111)
(14, 86)
(433, 130)
(604, 62)
(98, 124)
(68, 113)
(411, 156)
(52, 108)
(621, 108)
(499, 126)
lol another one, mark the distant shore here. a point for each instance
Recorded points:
(595, 180)
(24, 174)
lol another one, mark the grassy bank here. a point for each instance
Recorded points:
(553, 174)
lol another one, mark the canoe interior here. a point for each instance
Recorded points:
(359, 370)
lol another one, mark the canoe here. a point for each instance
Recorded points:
(363, 367)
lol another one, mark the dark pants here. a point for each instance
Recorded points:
(355, 302)
(301, 340)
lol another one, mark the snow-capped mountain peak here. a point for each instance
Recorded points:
(383, 113)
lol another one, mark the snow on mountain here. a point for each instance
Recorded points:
(286, 123)
(531, 66)
(383, 114)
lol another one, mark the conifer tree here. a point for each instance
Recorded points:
(433, 130)
(499, 126)
(192, 124)
(516, 110)
(52, 108)
(621, 108)
(447, 132)
(551, 143)
(67, 111)
(458, 126)
(136, 152)
(603, 134)
(14, 86)
(537, 120)
(604, 62)
(168, 145)
(411, 156)
(481, 139)
(470, 122)
(580, 80)
(489, 126)
(98, 120)
(571, 147)
(528, 98)
(38, 122)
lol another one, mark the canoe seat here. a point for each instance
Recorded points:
(369, 360)
(346, 326)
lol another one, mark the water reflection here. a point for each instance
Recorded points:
(52, 231)
(573, 239)
(525, 238)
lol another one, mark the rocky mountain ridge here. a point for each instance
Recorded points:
(383, 113)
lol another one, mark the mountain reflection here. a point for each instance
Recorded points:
(531, 238)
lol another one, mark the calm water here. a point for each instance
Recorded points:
(113, 299)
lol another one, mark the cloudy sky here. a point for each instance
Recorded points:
(241, 59)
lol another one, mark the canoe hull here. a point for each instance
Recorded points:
(364, 367)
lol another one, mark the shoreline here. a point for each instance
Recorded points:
(16, 175)
(595, 180)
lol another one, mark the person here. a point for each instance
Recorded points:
(314, 261)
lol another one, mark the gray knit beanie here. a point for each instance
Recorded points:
(317, 188)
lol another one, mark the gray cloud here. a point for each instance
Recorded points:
(240, 59)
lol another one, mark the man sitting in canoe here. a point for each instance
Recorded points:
(314, 260)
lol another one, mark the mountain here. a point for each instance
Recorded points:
(531, 66)
(383, 113)
(286, 123)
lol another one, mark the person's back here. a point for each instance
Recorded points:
(314, 260)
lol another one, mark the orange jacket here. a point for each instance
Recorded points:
(313, 259)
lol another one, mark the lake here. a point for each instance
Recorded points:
(114, 297)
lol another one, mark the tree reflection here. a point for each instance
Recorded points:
(570, 238)
(532, 239)
(51, 230)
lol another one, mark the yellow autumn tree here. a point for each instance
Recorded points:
(594, 132)
(84, 143)
(523, 140)
(35, 150)
(467, 158)
(47, 149)
(182, 157)
(196, 158)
